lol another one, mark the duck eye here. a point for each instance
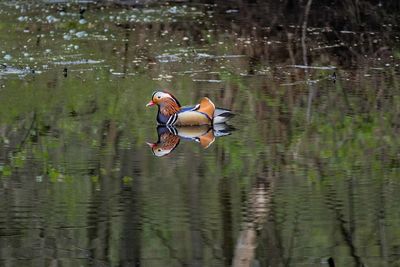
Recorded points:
(158, 97)
(159, 150)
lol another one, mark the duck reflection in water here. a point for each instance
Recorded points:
(170, 136)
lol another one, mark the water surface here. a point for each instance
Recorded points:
(309, 173)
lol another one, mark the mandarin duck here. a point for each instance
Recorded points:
(170, 136)
(170, 111)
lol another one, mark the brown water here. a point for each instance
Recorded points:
(306, 174)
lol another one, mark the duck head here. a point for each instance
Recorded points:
(166, 143)
(163, 99)
(159, 150)
(167, 104)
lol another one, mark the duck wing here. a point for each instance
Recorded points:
(207, 107)
(201, 114)
(190, 108)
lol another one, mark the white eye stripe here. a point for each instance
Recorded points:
(161, 95)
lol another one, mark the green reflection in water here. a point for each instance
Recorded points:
(312, 166)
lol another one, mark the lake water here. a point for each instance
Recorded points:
(306, 173)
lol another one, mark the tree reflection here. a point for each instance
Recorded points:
(299, 183)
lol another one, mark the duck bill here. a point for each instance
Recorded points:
(151, 144)
(151, 103)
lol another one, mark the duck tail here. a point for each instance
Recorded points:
(207, 107)
(222, 115)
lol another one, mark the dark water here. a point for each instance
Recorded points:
(309, 175)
